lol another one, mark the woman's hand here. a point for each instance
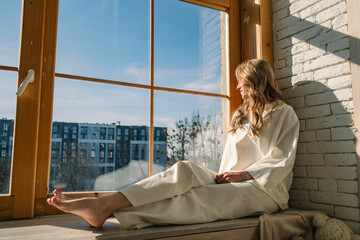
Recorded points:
(231, 177)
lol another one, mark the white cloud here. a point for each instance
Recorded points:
(202, 86)
(140, 74)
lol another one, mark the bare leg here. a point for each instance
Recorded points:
(92, 209)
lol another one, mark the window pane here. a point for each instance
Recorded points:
(199, 119)
(10, 17)
(104, 39)
(8, 84)
(94, 147)
(189, 42)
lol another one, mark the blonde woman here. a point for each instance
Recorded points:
(254, 177)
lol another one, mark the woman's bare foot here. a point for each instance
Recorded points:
(58, 193)
(93, 210)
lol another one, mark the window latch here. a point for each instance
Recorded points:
(29, 78)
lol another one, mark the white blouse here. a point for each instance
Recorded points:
(270, 157)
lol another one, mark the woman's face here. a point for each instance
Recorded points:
(243, 88)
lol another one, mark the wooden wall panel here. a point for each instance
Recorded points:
(235, 46)
(250, 22)
(267, 50)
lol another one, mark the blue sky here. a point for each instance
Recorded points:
(110, 39)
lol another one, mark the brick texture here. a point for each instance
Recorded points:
(311, 58)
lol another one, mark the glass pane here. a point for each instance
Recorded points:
(99, 136)
(104, 39)
(194, 129)
(8, 84)
(10, 17)
(188, 45)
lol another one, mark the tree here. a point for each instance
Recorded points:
(198, 140)
(73, 174)
(177, 140)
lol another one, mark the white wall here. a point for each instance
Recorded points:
(311, 61)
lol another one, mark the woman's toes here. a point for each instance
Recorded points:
(49, 201)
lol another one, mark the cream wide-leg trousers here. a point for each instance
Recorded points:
(187, 194)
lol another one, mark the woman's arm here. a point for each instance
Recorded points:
(231, 177)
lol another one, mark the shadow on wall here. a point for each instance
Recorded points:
(326, 152)
(319, 34)
(311, 50)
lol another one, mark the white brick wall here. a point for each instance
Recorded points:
(311, 62)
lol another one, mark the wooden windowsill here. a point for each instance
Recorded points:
(69, 226)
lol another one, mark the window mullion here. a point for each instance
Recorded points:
(151, 129)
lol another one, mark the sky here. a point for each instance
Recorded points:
(110, 39)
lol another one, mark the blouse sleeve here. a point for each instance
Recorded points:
(278, 162)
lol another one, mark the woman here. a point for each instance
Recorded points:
(255, 172)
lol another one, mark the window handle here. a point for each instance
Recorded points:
(29, 78)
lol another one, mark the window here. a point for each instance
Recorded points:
(83, 132)
(111, 134)
(102, 133)
(3, 153)
(5, 126)
(118, 54)
(3, 144)
(94, 131)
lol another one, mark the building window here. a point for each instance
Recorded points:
(74, 129)
(102, 133)
(3, 144)
(111, 134)
(3, 153)
(66, 129)
(5, 126)
(83, 132)
(126, 131)
(94, 133)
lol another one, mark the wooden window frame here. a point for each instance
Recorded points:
(30, 166)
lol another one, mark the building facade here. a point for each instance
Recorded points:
(82, 153)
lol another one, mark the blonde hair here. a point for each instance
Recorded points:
(263, 89)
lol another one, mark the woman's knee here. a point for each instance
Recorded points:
(184, 166)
